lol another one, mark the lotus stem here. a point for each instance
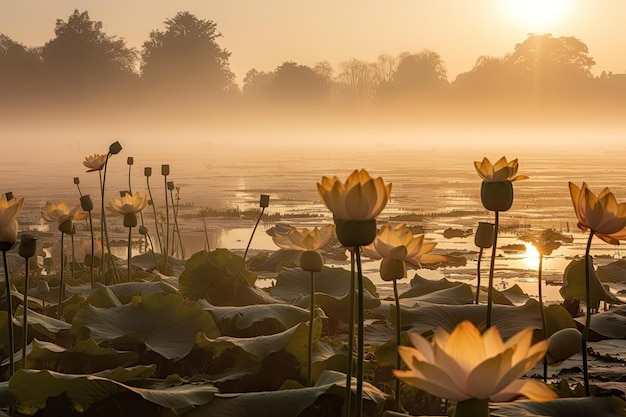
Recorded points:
(156, 263)
(176, 229)
(104, 221)
(156, 222)
(480, 257)
(167, 226)
(544, 325)
(128, 263)
(101, 225)
(72, 260)
(587, 317)
(206, 235)
(309, 378)
(492, 267)
(348, 399)
(398, 341)
(25, 322)
(9, 313)
(360, 334)
(61, 282)
(93, 283)
(243, 260)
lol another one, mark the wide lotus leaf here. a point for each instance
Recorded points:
(289, 402)
(255, 320)
(293, 340)
(211, 275)
(166, 323)
(561, 407)
(421, 286)
(85, 390)
(85, 357)
(145, 261)
(574, 284)
(613, 272)
(125, 291)
(46, 326)
(103, 296)
(608, 324)
(332, 290)
(508, 319)
(456, 295)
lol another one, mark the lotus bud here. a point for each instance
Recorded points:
(147, 171)
(170, 185)
(9, 196)
(497, 196)
(130, 220)
(264, 201)
(43, 287)
(6, 246)
(564, 343)
(143, 230)
(392, 269)
(115, 148)
(85, 203)
(484, 235)
(130, 160)
(28, 246)
(76, 180)
(311, 261)
(66, 225)
(165, 170)
(355, 232)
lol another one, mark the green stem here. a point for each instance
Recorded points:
(93, 283)
(360, 336)
(245, 253)
(309, 378)
(61, 283)
(472, 408)
(480, 257)
(25, 322)
(544, 325)
(9, 313)
(128, 263)
(491, 269)
(104, 223)
(398, 341)
(348, 399)
(156, 222)
(167, 226)
(587, 317)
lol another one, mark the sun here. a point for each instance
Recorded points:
(535, 15)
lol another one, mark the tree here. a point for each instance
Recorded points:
(19, 68)
(256, 83)
(298, 83)
(361, 80)
(82, 53)
(186, 57)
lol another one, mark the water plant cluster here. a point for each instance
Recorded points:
(162, 333)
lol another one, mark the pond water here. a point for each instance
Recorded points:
(439, 184)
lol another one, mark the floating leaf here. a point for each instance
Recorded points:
(608, 324)
(85, 390)
(574, 284)
(166, 324)
(421, 286)
(570, 407)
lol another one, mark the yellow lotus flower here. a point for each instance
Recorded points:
(601, 214)
(61, 213)
(9, 210)
(465, 365)
(501, 171)
(398, 243)
(360, 198)
(304, 239)
(128, 204)
(95, 162)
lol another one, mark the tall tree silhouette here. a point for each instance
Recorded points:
(186, 58)
(81, 53)
(298, 83)
(19, 68)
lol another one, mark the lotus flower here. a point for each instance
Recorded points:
(602, 214)
(95, 162)
(398, 243)
(465, 365)
(501, 171)
(9, 210)
(360, 198)
(129, 203)
(303, 239)
(61, 214)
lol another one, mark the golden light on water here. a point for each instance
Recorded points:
(531, 256)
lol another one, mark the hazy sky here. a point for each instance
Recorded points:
(263, 34)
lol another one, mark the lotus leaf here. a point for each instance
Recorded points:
(255, 320)
(332, 291)
(613, 272)
(608, 324)
(125, 291)
(85, 357)
(421, 286)
(574, 284)
(166, 323)
(85, 390)
(570, 407)
(508, 319)
(289, 402)
(103, 297)
(41, 325)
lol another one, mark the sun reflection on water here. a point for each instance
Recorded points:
(531, 256)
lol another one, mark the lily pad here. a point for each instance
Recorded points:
(166, 324)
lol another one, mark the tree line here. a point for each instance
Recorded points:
(183, 65)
